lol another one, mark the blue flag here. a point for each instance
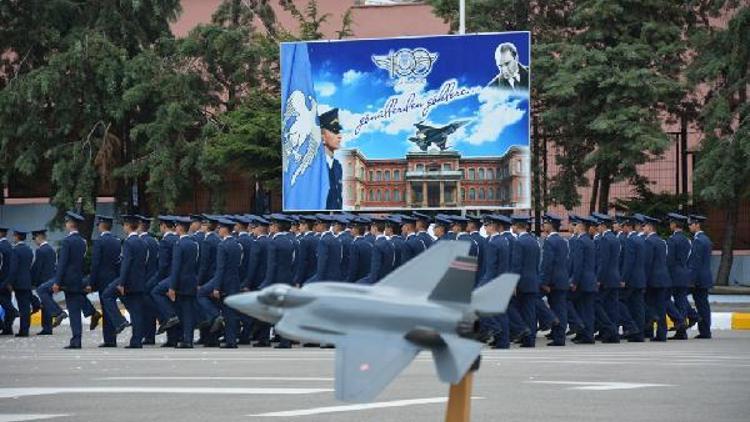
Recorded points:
(305, 169)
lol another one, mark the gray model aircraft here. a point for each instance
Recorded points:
(428, 304)
(427, 135)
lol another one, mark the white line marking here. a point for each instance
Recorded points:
(23, 392)
(22, 418)
(355, 407)
(216, 378)
(600, 386)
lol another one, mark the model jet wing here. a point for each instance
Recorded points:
(422, 274)
(454, 359)
(366, 364)
(493, 297)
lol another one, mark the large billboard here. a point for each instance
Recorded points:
(404, 123)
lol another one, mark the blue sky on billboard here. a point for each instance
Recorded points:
(442, 79)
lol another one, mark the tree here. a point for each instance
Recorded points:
(722, 176)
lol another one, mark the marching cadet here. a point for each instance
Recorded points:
(280, 260)
(330, 254)
(152, 269)
(473, 227)
(159, 285)
(393, 233)
(497, 262)
(383, 254)
(306, 256)
(634, 277)
(575, 323)
(340, 223)
(678, 251)
(196, 228)
(657, 280)
(183, 281)
(206, 271)
(699, 264)
(105, 267)
(518, 328)
(441, 227)
(368, 234)
(554, 274)
(459, 227)
(6, 296)
(583, 279)
(525, 262)
(69, 279)
(225, 281)
(608, 277)
(131, 284)
(256, 273)
(413, 243)
(20, 280)
(360, 252)
(42, 270)
(422, 225)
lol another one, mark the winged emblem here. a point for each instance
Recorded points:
(301, 133)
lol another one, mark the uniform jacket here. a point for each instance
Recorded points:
(382, 262)
(152, 257)
(360, 259)
(6, 255)
(330, 257)
(657, 273)
(699, 262)
(133, 266)
(608, 259)
(496, 258)
(183, 273)
(226, 278)
(583, 256)
(678, 250)
(401, 252)
(633, 264)
(525, 262)
(105, 261)
(555, 264)
(307, 260)
(208, 257)
(20, 277)
(69, 275)
(334, 199)
(45, 263)
(279, 267)
(258, 261)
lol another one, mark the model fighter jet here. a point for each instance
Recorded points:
(428, 304)
(427, 135)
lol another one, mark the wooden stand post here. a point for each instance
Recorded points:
(459, 398)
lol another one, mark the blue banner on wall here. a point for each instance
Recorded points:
(403, 123)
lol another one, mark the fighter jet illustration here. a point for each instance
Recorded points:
(428, 304)
(427, 135)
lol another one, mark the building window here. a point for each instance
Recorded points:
(518, 167)
(490, 176)
(396, 175)
(396, 195)
(350, 192)
(361, 173)
(498, 173)
(519, 189)
(481, 194)
(372, 195)
(463, 194)
(420, 167)
(481, 174)
(472, 174)
(362, 195)
(472, 194)
(447, 166)
(371, 175)
(387, 175)
(448, 193)
(378, 176)
(416, 189)
(490, 193)
(387, 195)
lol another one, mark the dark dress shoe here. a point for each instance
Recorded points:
(227, 346)
(659, 340)
(243, 342)
(548, 336)
(171, 322)
(611, 341)
(262, 343)
(287, 346)
(703, 336)
(504, 346)
(133, 346)
(170, 344)
(582, 341)
(122, 327)
(522, 335)
(211, 344)
(44, 333)
(6, 333)
(72, 346)
(182, 345)
(58, 319)
(107, 345)
(22, 335)
(527, 345)
(95, 318)
(636, 339)
(692, 321)
(149, 342)
(217, 325)
(554, 343)
(679, 336)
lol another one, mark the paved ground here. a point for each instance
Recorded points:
(696, 380)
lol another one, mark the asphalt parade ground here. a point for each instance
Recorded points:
(694, 380)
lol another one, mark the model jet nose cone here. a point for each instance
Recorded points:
(243, 302)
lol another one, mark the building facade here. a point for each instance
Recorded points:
(435, 180)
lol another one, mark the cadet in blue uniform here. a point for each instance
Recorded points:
(441, 227)
(6, 254)
(306, 260)
(678, 251)
(152, 270)
(583, 279)
(393, 233)
(158, 286)
(330, 130)
(473, 227)
(183, 281)
(634, 277)
(340, 223)
(105, 267)
(525, 262)
(657, 280)
(360, 255)
(459, 227)
(69, 279)
(206, 271)
(383, 253)
(608, 276)
(20, 280)
(414, 245)
(330, 254)
(225, 282)
(42, 270)
(497, 262)
(422, 225)
(555, 275)
(280, 259)
(699, 264)
(575, 323)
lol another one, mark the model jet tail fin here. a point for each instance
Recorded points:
(425, 272)
(493, 297)
(453, 360)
